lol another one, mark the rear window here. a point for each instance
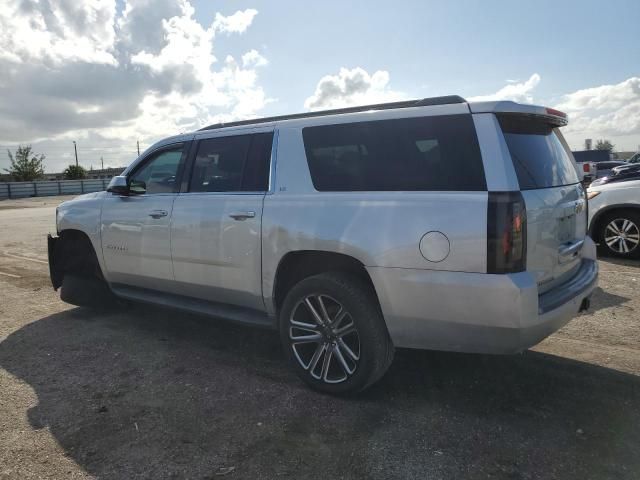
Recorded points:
(540, 155)
(425, 153)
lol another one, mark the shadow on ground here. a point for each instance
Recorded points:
(603, 299)
(622, 262)
(163, 395)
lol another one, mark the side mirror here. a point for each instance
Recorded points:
(118, 185)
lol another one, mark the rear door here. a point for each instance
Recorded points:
(216, 225)
(554, 198)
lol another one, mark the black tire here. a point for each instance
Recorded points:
(616, 220)
(375, 349)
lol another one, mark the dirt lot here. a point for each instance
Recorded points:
(155, 394)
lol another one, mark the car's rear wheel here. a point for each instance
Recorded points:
(619, 234)
(333, 333)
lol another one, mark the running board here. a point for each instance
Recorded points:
(246, 316)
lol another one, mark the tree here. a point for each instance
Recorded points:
(604, 145)
(74, 172)
(25, 166)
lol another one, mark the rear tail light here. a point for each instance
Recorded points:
(506, 233)
(586, 167)
(555, 113)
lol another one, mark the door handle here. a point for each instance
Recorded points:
(158, 213)
(242, 215)
(568, 252)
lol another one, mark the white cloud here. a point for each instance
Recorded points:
(111, 79)
(606, 111)
(236, 23)
(352, 87)
(604, 97)
(253, 59)
(517, 92)
(55, 32)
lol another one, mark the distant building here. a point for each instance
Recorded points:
(582, 156)
(623, 155)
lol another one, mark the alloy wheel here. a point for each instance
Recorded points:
(622, 235)
(324, 338)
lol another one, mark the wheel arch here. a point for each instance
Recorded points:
(600, 214)
(296, 265)
(73, 252)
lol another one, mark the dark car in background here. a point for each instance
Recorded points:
(605, 169)
(632, 172)
(629, 165)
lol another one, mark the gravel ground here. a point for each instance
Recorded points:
(151, 393)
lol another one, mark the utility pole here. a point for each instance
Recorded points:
(101, 163)
(138, 143)
(75, 148)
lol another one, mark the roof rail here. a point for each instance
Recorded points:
(448, 99)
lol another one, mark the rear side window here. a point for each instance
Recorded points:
(425, 153)
(232, 164)
(540, 155)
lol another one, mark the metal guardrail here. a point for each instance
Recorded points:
(51, 188)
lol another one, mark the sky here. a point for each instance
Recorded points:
(110, 73)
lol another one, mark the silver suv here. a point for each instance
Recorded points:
(433, 224)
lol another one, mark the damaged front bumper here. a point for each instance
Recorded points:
(55, 271)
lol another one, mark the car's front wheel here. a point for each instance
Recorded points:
(334, 334)
(619, 234)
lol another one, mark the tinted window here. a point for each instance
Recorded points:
(540, 155)
(256, 171)
(235, 163)
(158, 174)
(426, 153)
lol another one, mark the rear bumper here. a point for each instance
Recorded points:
(473, 312)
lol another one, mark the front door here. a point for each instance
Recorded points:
(216, 225)
(135, 228)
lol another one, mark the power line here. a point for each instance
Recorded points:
(62, 146)
(80, 147)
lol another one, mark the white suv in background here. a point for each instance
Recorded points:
(614, 217)
(435, 224)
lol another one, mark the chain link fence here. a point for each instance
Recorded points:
(51, 188)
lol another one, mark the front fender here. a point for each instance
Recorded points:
(83, 213)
